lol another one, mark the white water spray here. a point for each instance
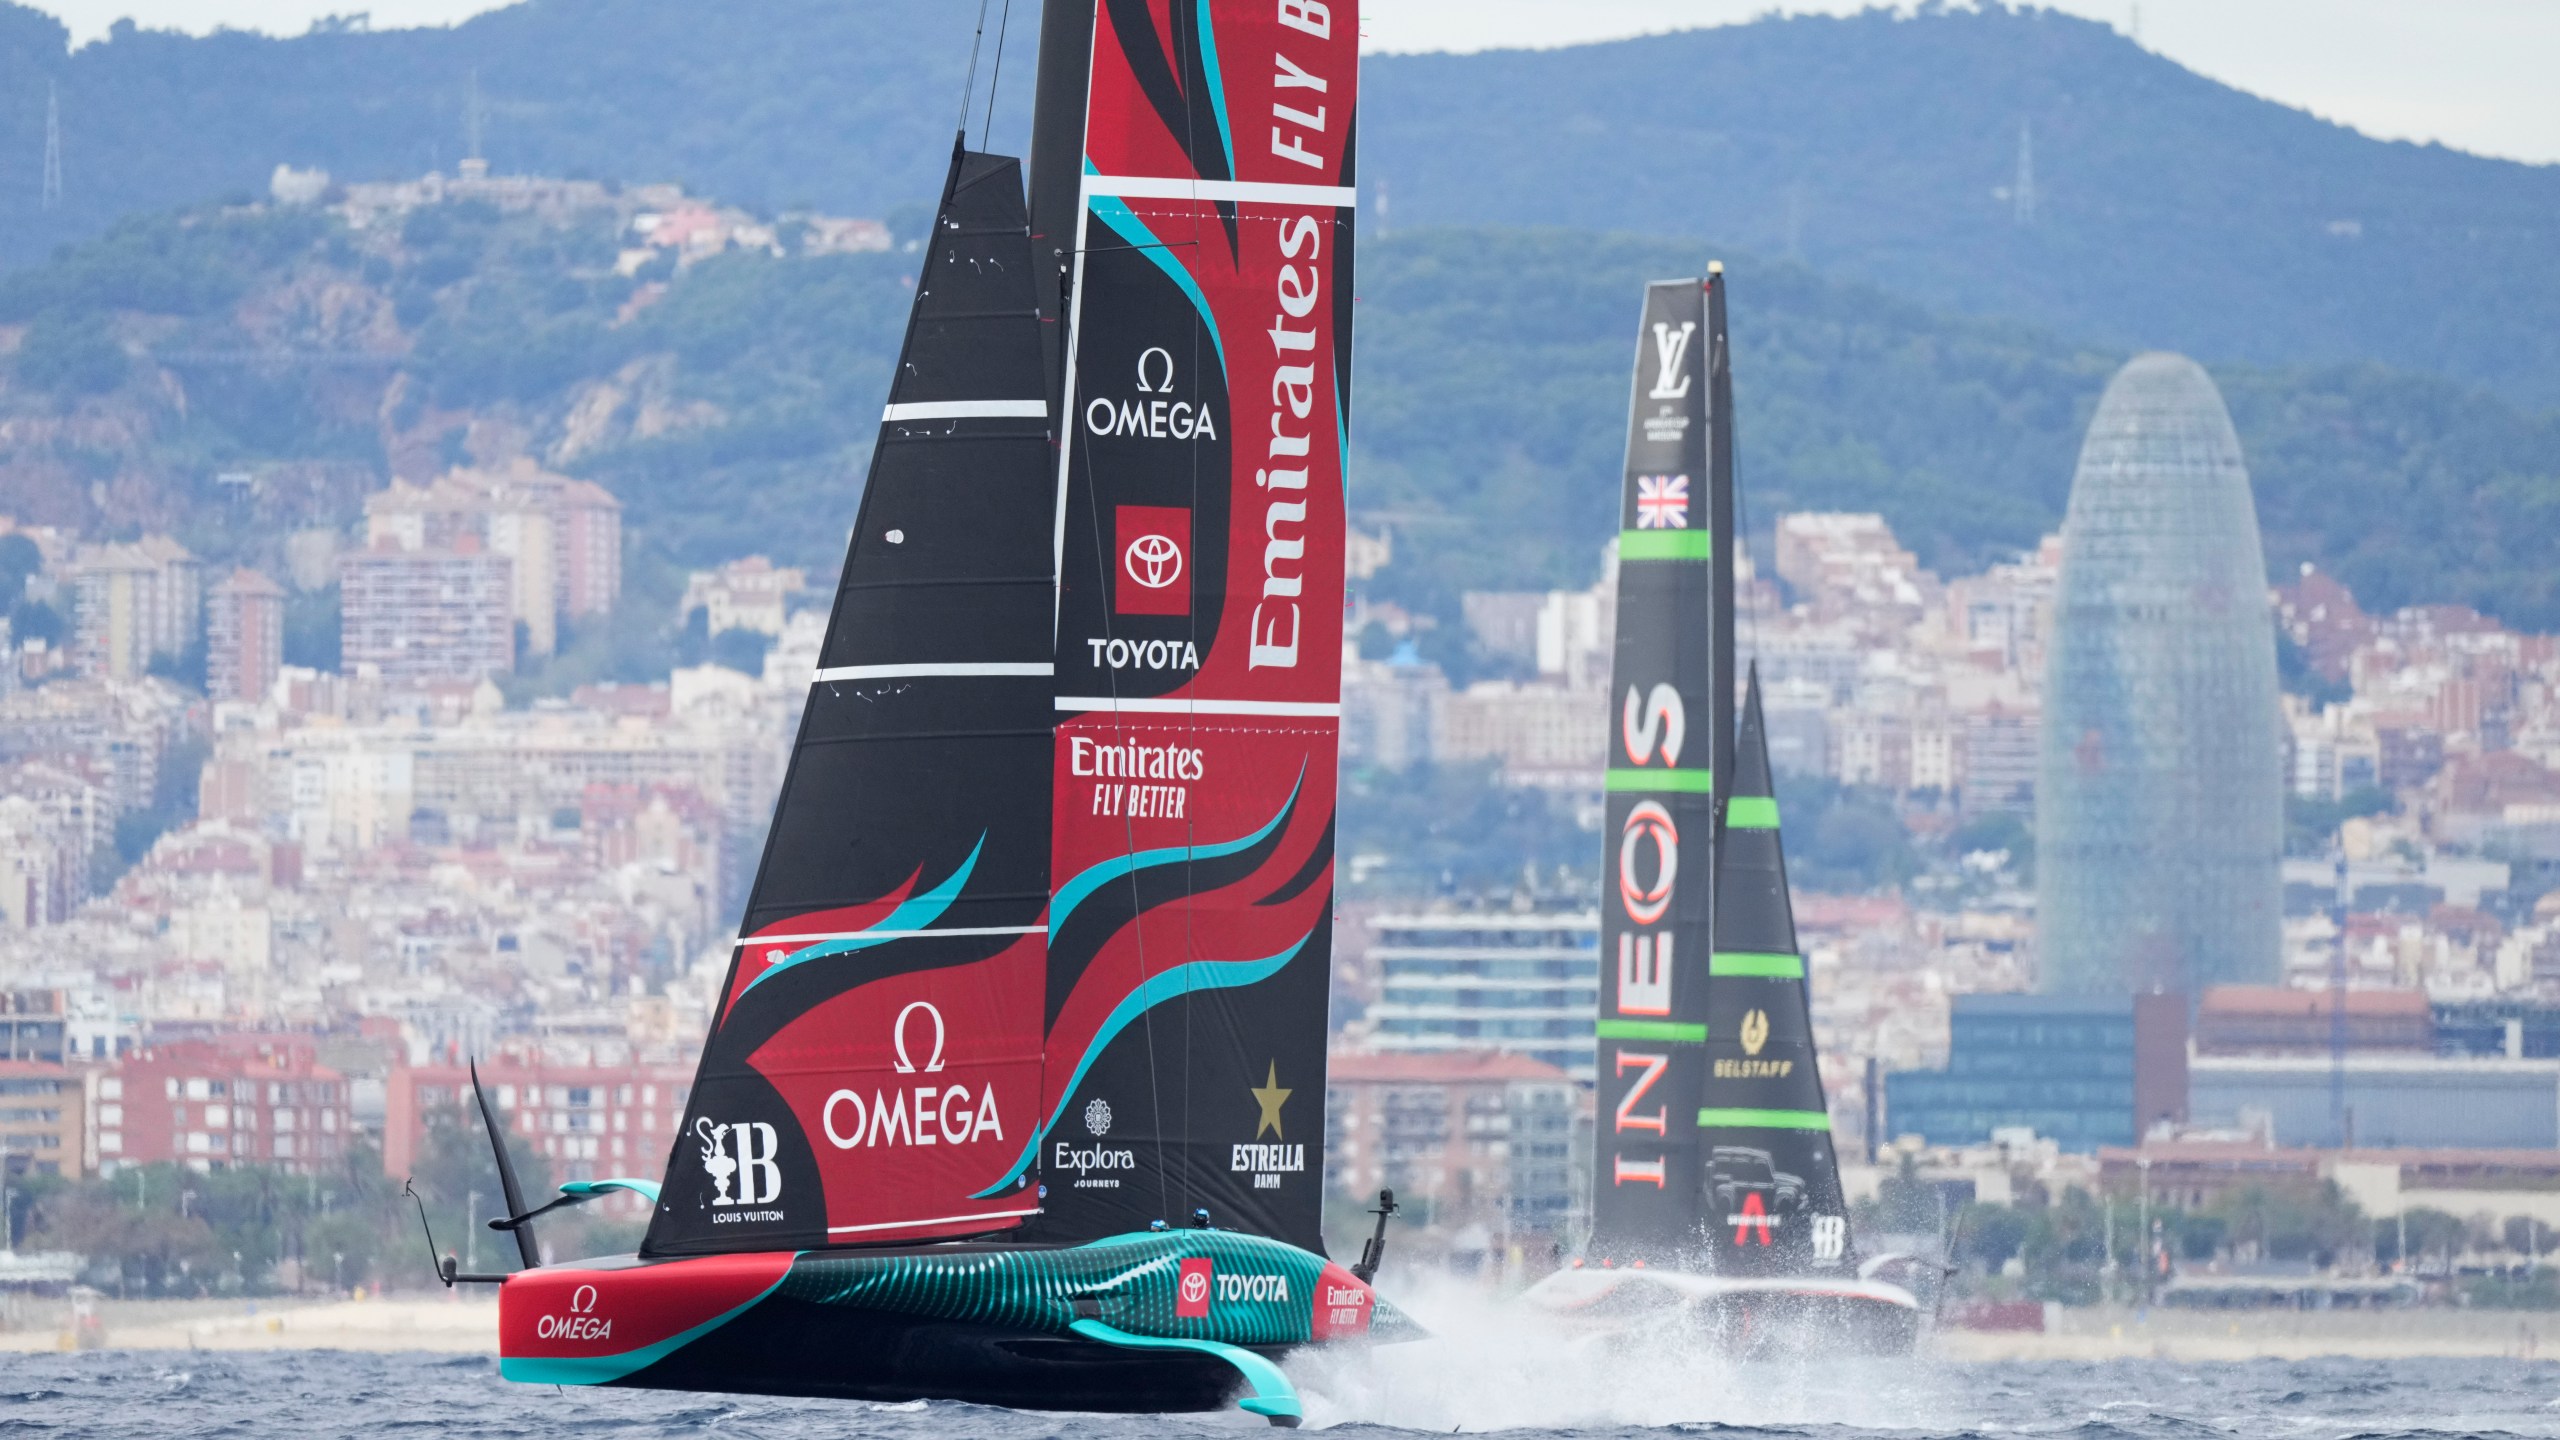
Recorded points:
(1493, 1363)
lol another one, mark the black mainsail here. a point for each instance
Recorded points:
(1654, 929)
(892, 941)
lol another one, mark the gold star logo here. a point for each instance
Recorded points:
(1270, 1097)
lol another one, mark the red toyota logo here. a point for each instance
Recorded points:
(1153, 561)
(1191, 1293)
(1154, 546)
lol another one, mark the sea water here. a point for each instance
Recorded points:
(1487, 1367)
(170, 1395)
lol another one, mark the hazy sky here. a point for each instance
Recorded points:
(2475, 74)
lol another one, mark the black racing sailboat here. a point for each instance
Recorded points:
(1716, 1192)
(1011, 1090)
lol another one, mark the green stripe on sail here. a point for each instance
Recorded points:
(1668, 1030)
(1665, 545)
(1763, 1120)
(1751, 812)
(1677, 782)
(1755, 964)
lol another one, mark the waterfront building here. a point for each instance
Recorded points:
(2159, 819)
(1526, 983)
(1481, 1136)
(2081, 1071)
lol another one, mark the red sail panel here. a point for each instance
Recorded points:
(875, 1064)
(1200, 621)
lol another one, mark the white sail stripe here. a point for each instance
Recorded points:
(929, 669)
(814, 936)
(966, 410)
(1160, 187)
(937, 1220)
(1182, 706)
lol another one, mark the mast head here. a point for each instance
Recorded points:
(1715, 267)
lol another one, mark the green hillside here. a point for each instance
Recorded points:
(2170, 210)
(733, 414)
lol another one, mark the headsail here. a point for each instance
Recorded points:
(1200, 535)
(875, 1063)
(1661, 802)
(1773, 1180)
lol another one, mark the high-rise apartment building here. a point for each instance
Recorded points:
(132, 604)
(419, 616)
(561, 537)
(244, 637)
(2159, 810)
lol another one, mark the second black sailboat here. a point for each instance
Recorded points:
(1715, 1190)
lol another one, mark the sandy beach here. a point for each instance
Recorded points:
(2107, 1333)
(456, 1323)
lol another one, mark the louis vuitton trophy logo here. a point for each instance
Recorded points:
(1671, 347)
(754, 1165)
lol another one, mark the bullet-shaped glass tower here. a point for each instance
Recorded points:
(2159, 813)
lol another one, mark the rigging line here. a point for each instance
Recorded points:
(969, 86)
(994, 81)
(1191, 908)
(1128, 826)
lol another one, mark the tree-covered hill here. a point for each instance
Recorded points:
(1492, 404)
(734, 414)
(2169, 210)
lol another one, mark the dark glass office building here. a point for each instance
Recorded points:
(2082, 1071)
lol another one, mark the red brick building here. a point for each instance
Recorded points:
(589, 1122)
(231, 1100)
(1480, 1135)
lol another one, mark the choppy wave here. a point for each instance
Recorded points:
(1486, 1369)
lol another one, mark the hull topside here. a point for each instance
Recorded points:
(1163, 1321)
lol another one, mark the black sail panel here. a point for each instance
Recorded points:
(874, 1064)
(1773, 1179)
(1654, 937)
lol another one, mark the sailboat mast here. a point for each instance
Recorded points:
(1720, 520)
(1057, 168)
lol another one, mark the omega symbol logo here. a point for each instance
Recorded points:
(582, 1301)
(1153, 561)
(1163, 377)
(898, 1039)
(1755, 1031)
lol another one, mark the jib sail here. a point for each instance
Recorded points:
(1661, 803)
(1774, 1204)
(874, 1067)
(1200, 554)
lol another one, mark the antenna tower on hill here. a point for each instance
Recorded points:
(52, 198)
(2022, 195)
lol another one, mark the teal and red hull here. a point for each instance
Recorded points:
(1165, 1321)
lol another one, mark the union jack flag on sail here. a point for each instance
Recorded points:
(1662, 502)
